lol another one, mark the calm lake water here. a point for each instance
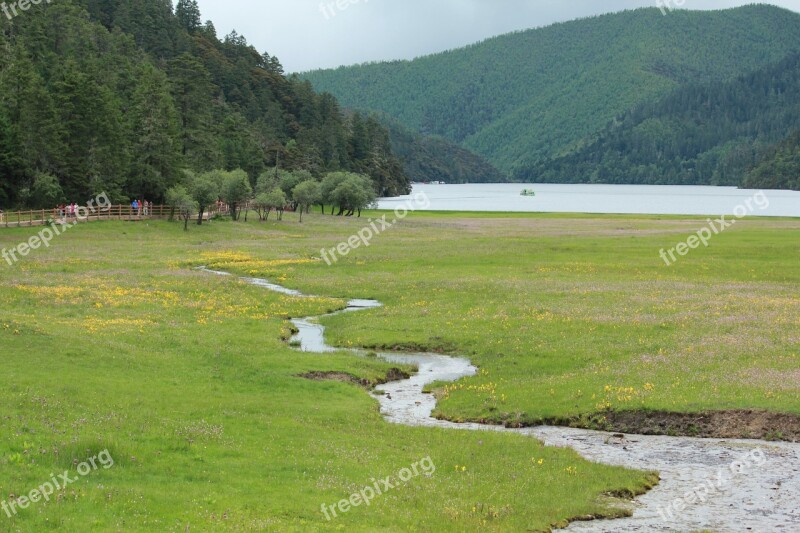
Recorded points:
(634, 199)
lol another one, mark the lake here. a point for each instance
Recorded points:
(632, 199)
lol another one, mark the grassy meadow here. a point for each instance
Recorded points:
(110, 340)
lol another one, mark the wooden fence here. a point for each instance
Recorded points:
(40, 217)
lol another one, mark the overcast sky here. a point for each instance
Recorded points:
(309, 34)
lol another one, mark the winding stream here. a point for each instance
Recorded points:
(761, 496)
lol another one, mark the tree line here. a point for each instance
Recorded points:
(128, 97)
(275, 190)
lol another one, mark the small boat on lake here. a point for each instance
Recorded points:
(527, 192)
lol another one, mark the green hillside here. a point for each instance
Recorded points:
(700, 134)
(525, 97)
(778, 168)
(434, 158)
(123, 97)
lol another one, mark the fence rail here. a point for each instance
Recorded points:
(40, 217)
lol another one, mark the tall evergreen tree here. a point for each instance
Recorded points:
(192, 90)
(188, 14)
(156, 136)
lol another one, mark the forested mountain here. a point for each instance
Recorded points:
(433, 158)
(122, 96)
(700, 134)
(778, 167)
(523, 98)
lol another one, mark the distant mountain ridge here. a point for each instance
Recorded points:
(701, 133)
(524, 98)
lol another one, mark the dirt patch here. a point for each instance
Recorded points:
(394, 374)
(738, 424)
(335, 376)
(734, 424)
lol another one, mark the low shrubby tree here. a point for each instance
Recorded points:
(236, 191)
(288, 181)
(276, 200)
(262, 205)
(181, 202)
(352, 193)
(205, 191)
(306, 194)
(328, 185)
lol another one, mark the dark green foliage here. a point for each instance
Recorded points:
(155, 140)
(523, 98)
(46, 191)
(119, 96)
(778, 168)
(205, 190)
(349, 192)
(700, 134)
(371, 148)
(188, 14)
(433, 158)
(236, 190)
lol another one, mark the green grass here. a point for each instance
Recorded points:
(571, 315)
(113, 341)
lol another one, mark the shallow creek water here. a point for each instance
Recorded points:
(713, 491)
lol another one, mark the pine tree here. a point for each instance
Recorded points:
(94, 131)
(156, 136)
(188, 14)
(192, 90)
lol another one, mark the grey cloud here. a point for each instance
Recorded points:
(309, 34)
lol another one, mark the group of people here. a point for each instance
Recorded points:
(141, 207)
(66, 210)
